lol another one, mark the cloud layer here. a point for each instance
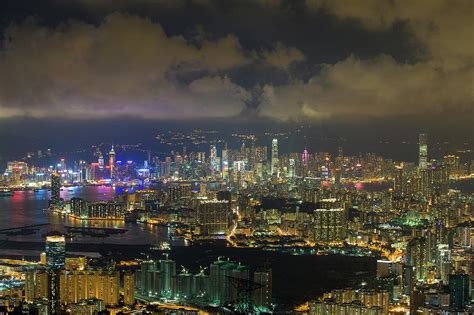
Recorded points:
(443, 81)
(130, 65)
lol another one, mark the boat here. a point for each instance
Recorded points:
(5, 192)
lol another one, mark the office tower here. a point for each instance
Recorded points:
(101, 161)
(55, 251)
(55, 191)
(129, 288)
(213, 217)
(213, 157)
(304, 160)
(423, 151)
(168, 272)
(329, 221)
(55, 261)
(274, 161)
(225, 163)
(291, 168)
(262, 296)
(112, 162)
(458, 291)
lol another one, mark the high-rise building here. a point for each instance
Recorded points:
(416, 256)
(263, 295)
(329, 221)
(423, 151)
(213, 217)
(213, 157)
(55, 200)
(149, 279)
(459, 291)
(77, 285)
(55, 251)
(168, 272)
(112, 162)
(129, 288)
(274, 161)
(400, 181)
(55, 261)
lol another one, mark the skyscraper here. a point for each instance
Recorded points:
(305, 159)
(213, 157)
(55, 251)
(55, 190)
(263, 295)
(213, 217)
(458, 291)
(274, 166)
(129, 288)
(329, 221)
(55, 261)
(168, 272)
(112, 161)
(399, 183)
(423, 151)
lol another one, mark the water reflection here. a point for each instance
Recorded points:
(28, 208)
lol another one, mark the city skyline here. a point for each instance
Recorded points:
(207, 157)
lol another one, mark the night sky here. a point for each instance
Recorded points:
(354, 67)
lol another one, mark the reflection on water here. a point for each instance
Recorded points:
(28, 208)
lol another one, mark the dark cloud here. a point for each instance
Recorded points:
(285, 60)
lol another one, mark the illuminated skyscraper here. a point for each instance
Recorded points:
(274, 166)
(329, 221)
(129, 288)
(55, 190)
(112, 161)
(55, 251)
(101, 161)
(213, 158)
(423, 151)
(399, 183)
(305, 159)
(213, 217)
(55, 261)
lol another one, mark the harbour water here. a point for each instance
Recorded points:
(28, 208)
